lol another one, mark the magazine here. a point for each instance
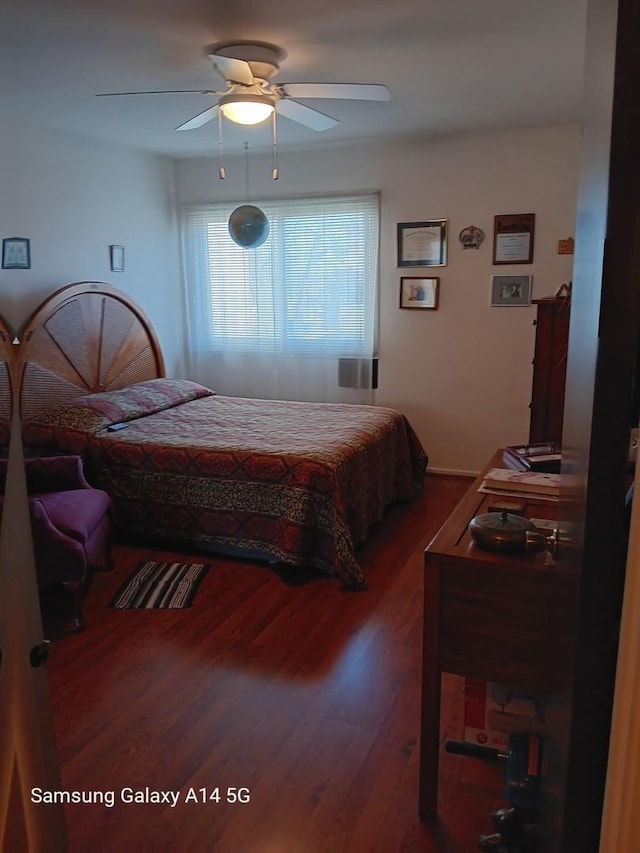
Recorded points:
(531, 482)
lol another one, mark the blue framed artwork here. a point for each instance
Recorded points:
(16, 253)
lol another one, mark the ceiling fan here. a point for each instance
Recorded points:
(247, 68)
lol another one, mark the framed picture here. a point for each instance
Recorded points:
(513, 238)
(116, 254)
(511, 290)
(416, 292)
(16, 253)
(422, 244)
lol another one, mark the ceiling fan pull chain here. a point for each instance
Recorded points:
(275, 174)
(222, 172)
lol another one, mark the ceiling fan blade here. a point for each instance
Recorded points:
(161, 92)
(200, 119)
(352, 91)
(233, 70)
(313, 119)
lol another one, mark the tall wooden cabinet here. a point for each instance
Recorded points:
(549, 369)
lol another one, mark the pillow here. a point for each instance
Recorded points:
(143, 398)
(69, 428)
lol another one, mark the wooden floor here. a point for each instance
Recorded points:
(303, 699)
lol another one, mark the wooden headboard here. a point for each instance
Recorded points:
(84, 338)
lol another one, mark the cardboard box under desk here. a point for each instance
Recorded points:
(492, 712)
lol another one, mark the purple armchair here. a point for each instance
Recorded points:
(70, 523)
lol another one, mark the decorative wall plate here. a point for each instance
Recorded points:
(471, 237)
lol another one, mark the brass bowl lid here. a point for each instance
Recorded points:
(500, 529)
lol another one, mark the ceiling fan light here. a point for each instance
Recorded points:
(246, 109)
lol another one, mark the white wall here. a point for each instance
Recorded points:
(462, 374)
(73, 197)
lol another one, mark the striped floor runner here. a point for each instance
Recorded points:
(156, 585)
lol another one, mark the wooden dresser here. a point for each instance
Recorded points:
(495, 616)
(549, 369)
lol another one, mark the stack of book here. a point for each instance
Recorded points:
(524, 484)
(533, 457)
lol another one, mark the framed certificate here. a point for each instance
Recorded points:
(422, 244)
(513, 238)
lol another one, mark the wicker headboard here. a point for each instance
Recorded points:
(86, 337)
(7, 365)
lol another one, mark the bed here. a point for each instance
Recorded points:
(299, 483)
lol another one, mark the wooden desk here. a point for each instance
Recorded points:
(494, 616)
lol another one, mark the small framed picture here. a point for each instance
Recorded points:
(511, 290)
(418, 292)
(116, 255)
(16, 253)
(422, 244)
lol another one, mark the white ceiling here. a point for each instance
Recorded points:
(451, 66)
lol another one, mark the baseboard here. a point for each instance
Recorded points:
(452, 472)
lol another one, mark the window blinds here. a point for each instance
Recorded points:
(310, 289)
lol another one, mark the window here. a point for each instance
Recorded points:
(310, 289)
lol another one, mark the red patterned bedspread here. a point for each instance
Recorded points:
(303, 482)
